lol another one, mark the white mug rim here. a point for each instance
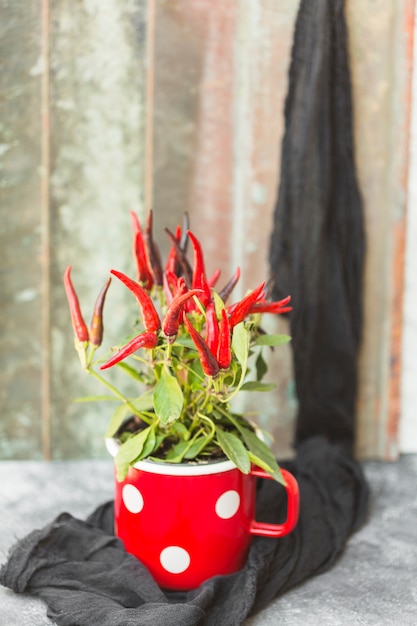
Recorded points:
(174, 469)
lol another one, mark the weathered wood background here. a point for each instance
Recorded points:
(109, 106)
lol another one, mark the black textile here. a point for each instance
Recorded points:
(87, 579)
(317, 245)
(82, 571)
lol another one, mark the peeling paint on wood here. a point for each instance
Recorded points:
(97, 176)
(381, 69)
(21, 231)
(220, 83)
(67, 206)
(221, 79)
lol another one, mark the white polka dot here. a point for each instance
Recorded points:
(228, 504)
(132, 499)
(175, 559)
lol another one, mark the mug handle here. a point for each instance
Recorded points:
(293, 505)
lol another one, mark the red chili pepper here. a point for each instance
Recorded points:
(212, 329)
(170, 283)
(212, 281)
(171, 321)
(182, 260)
(208, 361)
(78, 323)
(153, 251)
(199, 269)
(144, 273)
(150, 316)
(240, 310)
(144, 340)
(96, 326)
(172, 262)
(204, 297)
(224, 353)
(271, 307)
(228, 288)
(181, 286)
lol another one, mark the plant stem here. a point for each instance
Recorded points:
(230, 417)
(190, 369)
(211, 424)
(118, 394)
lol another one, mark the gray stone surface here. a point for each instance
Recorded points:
(372, 584)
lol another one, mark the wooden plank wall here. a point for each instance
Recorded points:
(381, 43)
(73, 108)
(74, 86)
(218, 157)
(220, 84)
(22, 237)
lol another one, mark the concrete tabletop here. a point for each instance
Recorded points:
(374, 583)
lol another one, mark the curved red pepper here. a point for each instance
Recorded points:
(182, 259)
(153, 251)
(212, 330)
(229, 286)
(144, 340)
(205, 297)
(212, 281)
(144, 273)
(280, 306)
(240, 310)
(224, 352)
(172, 263)
(208, 361)
(170, 284)
(150, 316)
(171, 321)
(199, 268)
(96, 326)
(78, 323)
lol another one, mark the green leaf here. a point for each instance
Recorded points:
(276, 474)
(272, 340)
(234, 449)
(261, 367)
(149, 446)
(168, 398)
(186, 342)
(158, 441)
(261, 455)
(257, 446)
(130, 451)
(240, 344)
(198, 446)
(117, 420)
(218, 303)
(253, 385)
(143, 402)
(181, 430)
(176, 454)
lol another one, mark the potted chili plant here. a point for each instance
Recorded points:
(185, 462)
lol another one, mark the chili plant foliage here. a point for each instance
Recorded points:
(190, 357)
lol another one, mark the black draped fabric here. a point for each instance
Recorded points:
(317, 244)
(78, 567)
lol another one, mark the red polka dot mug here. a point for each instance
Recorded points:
(187, 523)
